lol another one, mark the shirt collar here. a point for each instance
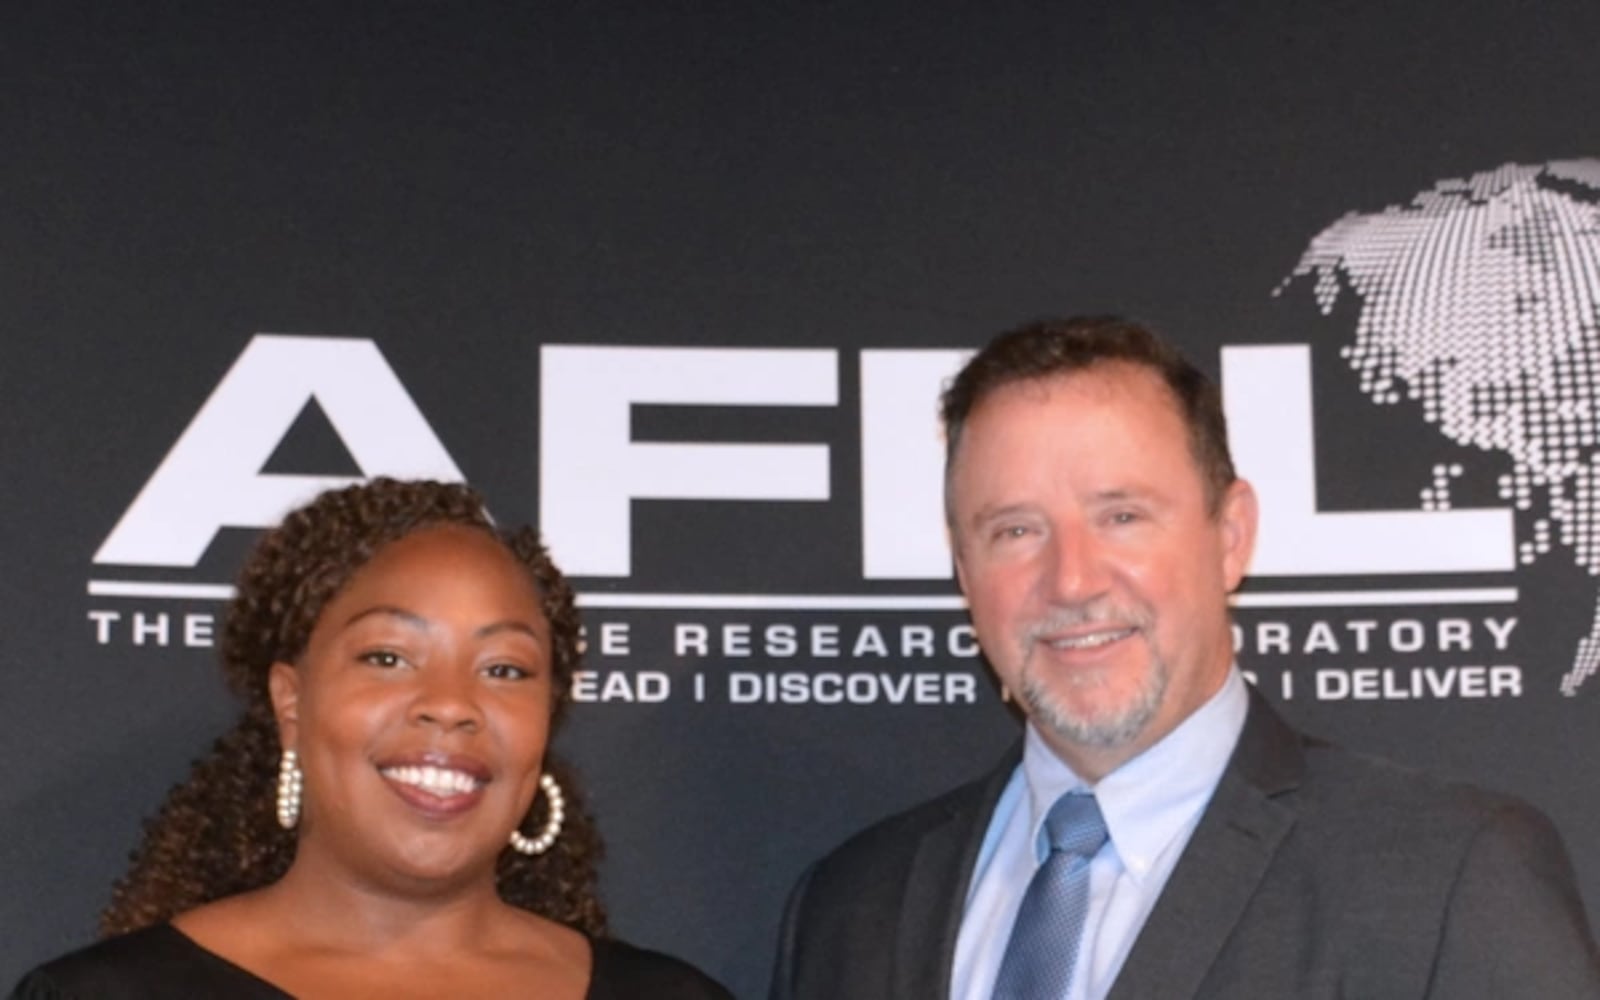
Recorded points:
(1151, 799)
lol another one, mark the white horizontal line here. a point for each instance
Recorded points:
(777, 602)
(869, 602)
(1374, 598)
(136, 588)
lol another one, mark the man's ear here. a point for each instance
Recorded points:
(1238, 518)
(283, 686)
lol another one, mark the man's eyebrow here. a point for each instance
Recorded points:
(990, 513)
(1138, 493)
(1115, 494)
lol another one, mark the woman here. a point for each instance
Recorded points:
(383, 820)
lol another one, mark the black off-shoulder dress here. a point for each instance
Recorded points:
(160, 962)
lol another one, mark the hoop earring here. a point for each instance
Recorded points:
(531, 846)
(290, 784)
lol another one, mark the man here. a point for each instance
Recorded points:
(1161, 833)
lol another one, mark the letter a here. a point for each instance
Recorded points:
(212, 477)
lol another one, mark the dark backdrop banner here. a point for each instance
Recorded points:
(682, 289)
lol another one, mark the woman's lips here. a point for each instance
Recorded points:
(437, 785)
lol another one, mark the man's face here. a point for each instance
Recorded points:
(1096, 574)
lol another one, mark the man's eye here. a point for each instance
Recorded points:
(381, 658)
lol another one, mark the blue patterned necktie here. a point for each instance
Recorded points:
(1044, 940)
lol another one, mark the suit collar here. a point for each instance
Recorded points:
(1223, 864)
(1271, 755)
(937, 883)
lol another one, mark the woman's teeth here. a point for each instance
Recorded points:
(434, 780)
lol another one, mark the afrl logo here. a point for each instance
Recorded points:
(591, 476)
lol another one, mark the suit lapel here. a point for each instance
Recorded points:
(936, 889)
(1222, 865)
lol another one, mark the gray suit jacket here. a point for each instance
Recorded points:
(1313, 874)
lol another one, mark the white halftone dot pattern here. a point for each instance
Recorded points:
(1480, 301)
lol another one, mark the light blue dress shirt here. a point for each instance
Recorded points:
(1151, 805)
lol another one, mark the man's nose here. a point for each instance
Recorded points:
(1076, 570)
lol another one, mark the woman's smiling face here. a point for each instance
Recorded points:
(421, 710)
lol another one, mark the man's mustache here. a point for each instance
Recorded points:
(1071, 616)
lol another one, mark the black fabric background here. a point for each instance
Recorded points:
(461, 183)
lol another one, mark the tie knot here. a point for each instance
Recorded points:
(1075, 826)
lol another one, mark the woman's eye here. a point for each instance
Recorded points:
(381, 658)
(506, 672)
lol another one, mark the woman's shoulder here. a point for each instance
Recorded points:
(157, 961)
(622, 971)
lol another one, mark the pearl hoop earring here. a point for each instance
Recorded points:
(531, 846)
(290, 784)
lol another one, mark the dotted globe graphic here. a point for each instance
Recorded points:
(1480, 302)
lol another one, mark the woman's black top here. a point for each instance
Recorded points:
(161, 962)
